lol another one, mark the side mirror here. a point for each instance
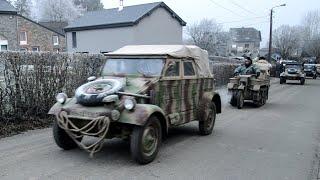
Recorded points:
(91, 78)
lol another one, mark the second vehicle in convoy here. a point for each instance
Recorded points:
(142, 91)
(251, 82)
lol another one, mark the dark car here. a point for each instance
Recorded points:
(310, 70)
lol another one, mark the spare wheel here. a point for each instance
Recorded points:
(92, 93)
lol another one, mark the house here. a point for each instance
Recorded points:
(244, 40)
(19, 33)
(110, 29)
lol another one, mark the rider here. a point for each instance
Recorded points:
(247, 68)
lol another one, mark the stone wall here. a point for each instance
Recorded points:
(8, 30)
(37, 35)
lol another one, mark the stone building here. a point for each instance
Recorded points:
(18, 33)
(244, 41)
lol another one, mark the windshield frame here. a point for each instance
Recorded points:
(133, 58)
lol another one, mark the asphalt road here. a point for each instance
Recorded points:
(276, 142)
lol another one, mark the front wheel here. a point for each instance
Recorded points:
(146, 140)
(240, 100)
(62, 139)
(282, 80)
(302, 81)
(206, 126)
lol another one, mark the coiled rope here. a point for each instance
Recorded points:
(102, 123)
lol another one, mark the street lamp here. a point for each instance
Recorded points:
(270, 37)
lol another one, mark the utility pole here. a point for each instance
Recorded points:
(270, 36)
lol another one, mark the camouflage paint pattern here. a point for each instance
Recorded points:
(179, 100)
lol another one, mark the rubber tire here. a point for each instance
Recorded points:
(240, 100)
(202, 125)
(233, 100)
(96, 99)
(315, 77)
(302, 81)
(62, 139)
(136, 142)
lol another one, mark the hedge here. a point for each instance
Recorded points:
(30, 81)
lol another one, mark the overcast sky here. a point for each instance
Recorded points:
(249, 13)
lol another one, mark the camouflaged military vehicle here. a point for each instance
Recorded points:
(251, 87)
(293, 71)
(141, 93)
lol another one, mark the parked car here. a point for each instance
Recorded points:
(293, 71)
(142, 91)
(310, 70)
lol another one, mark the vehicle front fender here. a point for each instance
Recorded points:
(209, 97)
(141, 114)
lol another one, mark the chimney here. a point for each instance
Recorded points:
(120, 5)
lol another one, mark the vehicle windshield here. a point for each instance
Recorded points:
(308, 66)
(295, 66)
(136, 67)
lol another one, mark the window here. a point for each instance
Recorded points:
(173, 69)
(36, 48)
(74, 39)
(188, 69)
(3, 47)
(55, 40)
(23, 49)
(23, 38)
(246, 45)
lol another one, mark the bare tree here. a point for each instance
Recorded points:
(311, 33)
(23, 7)
(58, 10)
(90, 5)
(206, 34)
(288, 40)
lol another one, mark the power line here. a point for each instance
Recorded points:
(257, 23)
(217, 4)
(241, 7)
(259, 17)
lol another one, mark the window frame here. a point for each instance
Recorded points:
(166, 68)
(38, 48)
(245, 45)
(23, 42)
(55, 37)
(74, 39)
(194, 69)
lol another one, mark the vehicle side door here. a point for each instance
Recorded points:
(168, 95)
(190, 91)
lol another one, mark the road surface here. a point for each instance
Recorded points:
(277, 141)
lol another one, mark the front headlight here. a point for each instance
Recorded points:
(61, 98)
(129, 104)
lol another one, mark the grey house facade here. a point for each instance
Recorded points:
(244, 40)
(18, 33)
(110, 29)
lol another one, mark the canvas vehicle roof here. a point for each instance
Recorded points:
(177, 51)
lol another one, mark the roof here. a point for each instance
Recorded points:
(110, 18)
(245, 35)
(178, 51)
(55, 26)
(6, 8)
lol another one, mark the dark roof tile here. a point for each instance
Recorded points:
(107, 18)
(6, 7)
